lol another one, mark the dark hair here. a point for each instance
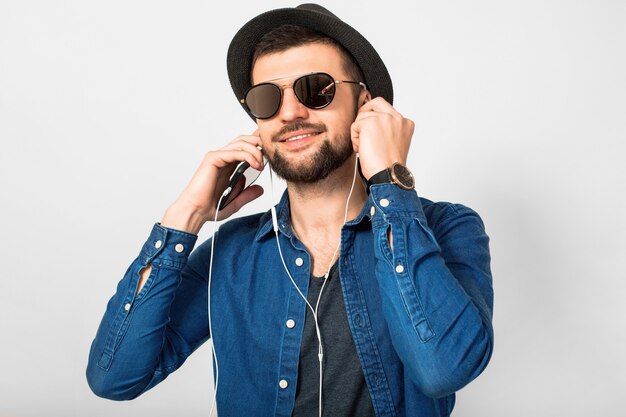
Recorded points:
(290, 36)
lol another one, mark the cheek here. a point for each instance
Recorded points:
(348, 114)
(343, 124)
(264, 131)
(266, 138)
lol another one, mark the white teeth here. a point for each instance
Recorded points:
(300, 137)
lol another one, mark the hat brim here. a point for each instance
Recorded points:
(241, 49)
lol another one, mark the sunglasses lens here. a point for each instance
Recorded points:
(315, 90)
(263, 100)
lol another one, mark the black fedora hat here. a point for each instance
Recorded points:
(314, 17)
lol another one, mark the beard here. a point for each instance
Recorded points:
(321, 164)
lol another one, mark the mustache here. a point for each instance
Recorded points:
(293, 127)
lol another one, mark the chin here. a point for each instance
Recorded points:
(316, 165)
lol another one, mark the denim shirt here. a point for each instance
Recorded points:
(420, 310)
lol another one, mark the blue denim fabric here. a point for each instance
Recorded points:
(420, 313)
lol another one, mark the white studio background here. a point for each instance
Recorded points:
(107, 108)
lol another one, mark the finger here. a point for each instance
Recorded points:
(229, 156)
(378, 104)
(253, 139)
(250, 148)
(355, 130)
(246, 146)
(367, 114)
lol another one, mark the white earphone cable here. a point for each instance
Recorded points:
(213, 354)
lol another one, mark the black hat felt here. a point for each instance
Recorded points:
(314, 17)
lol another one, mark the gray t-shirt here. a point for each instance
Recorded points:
(344, 390)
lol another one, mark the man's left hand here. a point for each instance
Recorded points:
(381, 136)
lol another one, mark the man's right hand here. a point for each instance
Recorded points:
(197, 203)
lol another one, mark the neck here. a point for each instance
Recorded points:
(318, 209)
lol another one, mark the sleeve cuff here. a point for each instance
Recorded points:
(167, 246)
(389, 200)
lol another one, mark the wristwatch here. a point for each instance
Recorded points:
(398, 174)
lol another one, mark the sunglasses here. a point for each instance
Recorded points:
(315, 91)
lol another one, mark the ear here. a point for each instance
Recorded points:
(364, 97)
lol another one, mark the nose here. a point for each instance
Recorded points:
(291, 108)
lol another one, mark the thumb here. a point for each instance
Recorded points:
(355, 130)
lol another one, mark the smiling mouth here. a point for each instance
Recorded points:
(298, 131)
(299, 137)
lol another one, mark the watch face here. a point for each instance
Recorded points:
(403, 176)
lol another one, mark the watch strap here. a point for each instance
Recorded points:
(381, 177)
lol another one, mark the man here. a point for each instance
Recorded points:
(398, 288)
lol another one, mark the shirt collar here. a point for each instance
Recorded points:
(283, 215)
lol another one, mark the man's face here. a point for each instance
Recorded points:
(302, 144)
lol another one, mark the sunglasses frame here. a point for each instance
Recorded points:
(282, 87)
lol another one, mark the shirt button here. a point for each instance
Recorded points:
(179, 248)
(384, 202)
(291, 324)
(158, 244)
(127, 306)
(283, 383)
(372, 211)
(399, 269)
(299, 261)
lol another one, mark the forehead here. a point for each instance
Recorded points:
(299, 60)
